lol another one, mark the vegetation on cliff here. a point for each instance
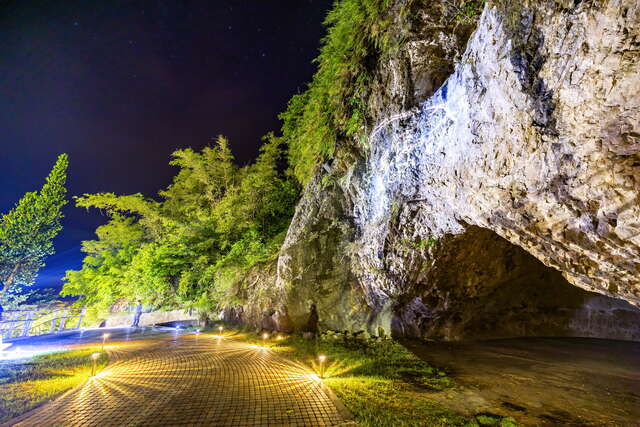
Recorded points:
(212, 224)
(334, 106)
(334, 103)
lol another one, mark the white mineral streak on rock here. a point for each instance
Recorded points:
(471, 153)
(544, 151)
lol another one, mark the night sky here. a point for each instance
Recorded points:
(119, 85)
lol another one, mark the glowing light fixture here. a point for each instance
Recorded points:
(94, 358)
(279, 337)
(322, 359)
(104, 338)
(220, 328)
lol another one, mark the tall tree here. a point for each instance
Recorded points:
(27, 231)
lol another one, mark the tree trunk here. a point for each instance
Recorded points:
(7, 283)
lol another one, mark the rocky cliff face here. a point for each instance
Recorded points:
(506, 203)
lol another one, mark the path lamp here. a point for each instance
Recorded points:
(104, 338)
(220, 328)
(322, 358)
(265, 336)
(94, 357)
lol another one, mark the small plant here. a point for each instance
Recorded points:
(495, 420)
(327, 181)
(467, 11)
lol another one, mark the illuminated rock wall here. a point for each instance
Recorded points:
(470, 212)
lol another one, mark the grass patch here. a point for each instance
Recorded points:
(380, 381)
(24, 384)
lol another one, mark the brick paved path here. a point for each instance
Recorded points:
(193, 381)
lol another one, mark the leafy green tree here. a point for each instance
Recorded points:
(27, 231)
(214, 222)
(102, 280)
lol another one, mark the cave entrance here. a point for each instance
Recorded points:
(479, 285)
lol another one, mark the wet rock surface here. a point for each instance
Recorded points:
(542, 381)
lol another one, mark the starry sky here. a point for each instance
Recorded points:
(119, 85)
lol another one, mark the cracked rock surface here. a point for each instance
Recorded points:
(506, 203)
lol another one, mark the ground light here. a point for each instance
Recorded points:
(94, 358)
(322, 358)
(220, 328)
(104, 338)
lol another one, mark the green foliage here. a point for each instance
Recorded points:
(213, 223)
(380, 381)
(467, 11)
(27, 231)
(495, 420)
(334, 103)
(26, 385)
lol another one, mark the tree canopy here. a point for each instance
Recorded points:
(27, 231)
(191, 244)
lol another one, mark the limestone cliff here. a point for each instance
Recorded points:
(504, 168)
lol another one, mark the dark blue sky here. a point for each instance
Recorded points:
(119, 85)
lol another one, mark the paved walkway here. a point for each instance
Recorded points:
(68, 339)
(189, 380)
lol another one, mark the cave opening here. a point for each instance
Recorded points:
(481, 286)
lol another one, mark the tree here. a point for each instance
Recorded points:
(27, 231)
(207, 229)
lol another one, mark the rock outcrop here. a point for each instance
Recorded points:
(506, 203)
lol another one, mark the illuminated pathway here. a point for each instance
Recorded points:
(193, 381)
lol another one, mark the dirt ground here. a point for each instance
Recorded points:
(542, 381)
